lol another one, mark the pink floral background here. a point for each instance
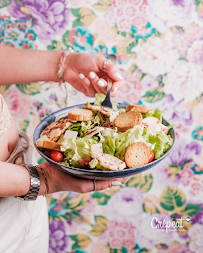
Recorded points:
(159, 47)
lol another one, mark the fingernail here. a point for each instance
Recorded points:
(116, 183)
(92, 75)
(101, 83)
(81, 76)
(119, 76)
(115, 89)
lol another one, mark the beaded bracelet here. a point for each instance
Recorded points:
(61, 63)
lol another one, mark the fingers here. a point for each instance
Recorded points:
(99, 185)
(98, 83)
(61, 181)
(89, 89)
(125, 180)
(112, 72)
(116, 87)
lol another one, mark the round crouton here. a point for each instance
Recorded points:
(127, 120)
(137, 154)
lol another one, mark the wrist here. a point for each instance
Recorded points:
(42, 189)
(63, 64)
(53, 68)
(49, 172)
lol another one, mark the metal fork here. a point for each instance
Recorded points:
(107, 101)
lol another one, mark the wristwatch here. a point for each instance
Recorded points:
(34, 184)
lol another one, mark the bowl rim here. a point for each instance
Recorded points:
(43, 123)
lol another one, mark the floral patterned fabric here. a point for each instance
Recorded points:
(5, 117)
(159, 45)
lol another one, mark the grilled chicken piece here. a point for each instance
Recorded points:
(153, 124)
(108, 161)
(56, 129)
(93, 131)
(99, 109)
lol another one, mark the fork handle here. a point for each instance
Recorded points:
(109, 87)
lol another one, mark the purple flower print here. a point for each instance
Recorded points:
(58, 240)
(195, 53)
(174, 247)
(181, 153)
(196, 234)
(169, 13)
(126, 204)
(174, 113)
(198, 218)
(50, 17)
(118, 235)
(150, 231)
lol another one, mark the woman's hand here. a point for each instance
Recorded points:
(85, 73)
(61, 181)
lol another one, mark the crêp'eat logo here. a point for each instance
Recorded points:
(169, 225)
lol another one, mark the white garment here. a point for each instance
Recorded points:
(23, 224)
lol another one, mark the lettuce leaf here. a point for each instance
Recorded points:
(162, 142)
(171, 126)
(76, 149)
(153, 113)
(93, 163)
(123, 140)
(159, 143)
(78, 128)
(83, 129)
(109, 146)
(99, 98)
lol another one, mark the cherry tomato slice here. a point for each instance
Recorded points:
(56, 156)
(151, 157)
(84, 162)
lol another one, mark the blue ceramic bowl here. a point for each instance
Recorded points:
(91, 174)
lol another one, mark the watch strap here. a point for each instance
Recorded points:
(34, 184)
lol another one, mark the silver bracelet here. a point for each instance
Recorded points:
(34, 184)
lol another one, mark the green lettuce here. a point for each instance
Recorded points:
(99, 98)
(75, 127)
(161, 142)
(109, 146)
(76, 149)
(83, 129)
(95, 165)
(78, 128)
(153, 113)
(123, 140)
(171, 126)
(65, 163)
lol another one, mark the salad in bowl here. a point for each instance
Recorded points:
(95, 138)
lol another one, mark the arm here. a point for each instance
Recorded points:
(25, 66)
(15, 181)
